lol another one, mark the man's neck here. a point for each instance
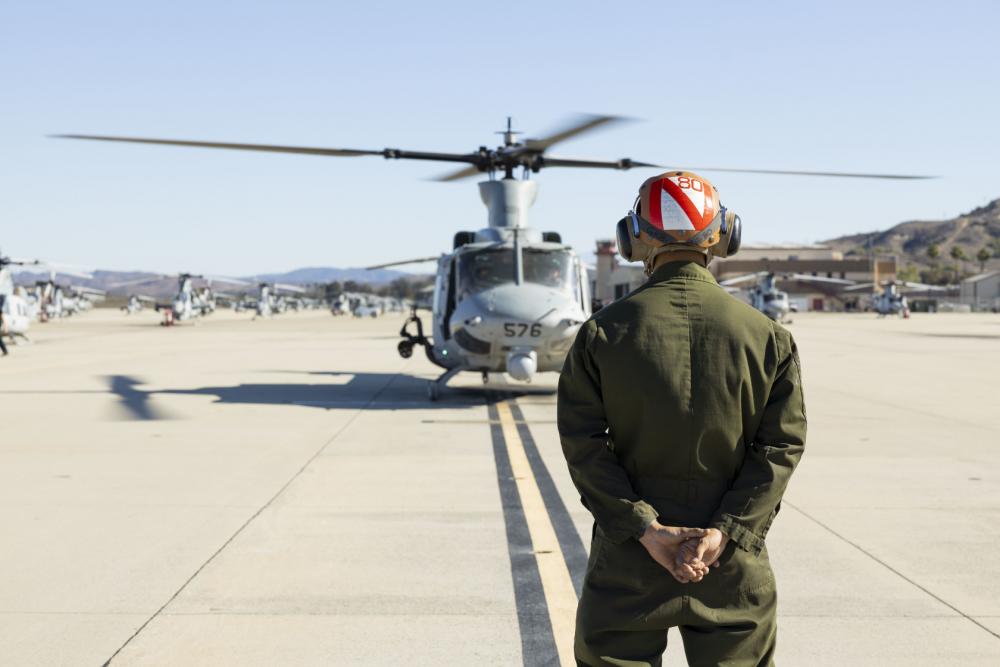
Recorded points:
(680, 256)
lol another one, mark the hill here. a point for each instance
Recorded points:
(313, 275)
(159, 285)
(912, 241)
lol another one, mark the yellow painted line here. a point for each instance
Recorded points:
(560, 596)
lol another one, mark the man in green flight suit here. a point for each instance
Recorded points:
(681, 418)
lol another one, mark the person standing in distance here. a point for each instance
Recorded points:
(3, 326)
(680, 405)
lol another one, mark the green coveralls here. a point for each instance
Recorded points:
(682, 403)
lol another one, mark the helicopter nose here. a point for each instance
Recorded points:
(527, 322)
(520, 303)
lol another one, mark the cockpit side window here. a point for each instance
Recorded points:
(450, 302)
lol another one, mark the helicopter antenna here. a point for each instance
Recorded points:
(510, 134)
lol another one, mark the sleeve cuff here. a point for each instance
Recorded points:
(635, 522)
(744, 538)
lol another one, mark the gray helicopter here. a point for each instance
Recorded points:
(271, 301)
(507, 298)
(765, 296)
(16, 311)
(187, 304)
(891, 300)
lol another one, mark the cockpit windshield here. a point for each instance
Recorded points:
(484, 269)
(489, 267)
(552, 268)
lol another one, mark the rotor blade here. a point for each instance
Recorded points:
(580, 125)
(83, 289)
(139, 281)
(388, 153)
(860, 286)
(464, 172)
(226, 280)
(400, 263)
(805, 278)
(53, 269)
(623, 163)
(69, 272)
(794, 172)
(736, 280)
(338, 152)
(290, 288)
(921, 286)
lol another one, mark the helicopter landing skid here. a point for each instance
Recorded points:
(435, 387)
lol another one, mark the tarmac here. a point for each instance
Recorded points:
(281, 492)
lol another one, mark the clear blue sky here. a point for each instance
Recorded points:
(871, 86)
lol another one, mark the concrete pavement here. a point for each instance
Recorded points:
(281, 492)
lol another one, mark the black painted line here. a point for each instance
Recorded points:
(538, 645)
(574, 553)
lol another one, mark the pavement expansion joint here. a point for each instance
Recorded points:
(899, 574)
(251, 518)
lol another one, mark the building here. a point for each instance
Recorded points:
(611, 279)
(982, 292)
(811, 261)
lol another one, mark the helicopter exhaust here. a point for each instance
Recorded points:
(508, 201)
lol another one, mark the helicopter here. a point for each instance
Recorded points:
(136, 303)
(270, 300)
(189, 302)
(768, 299)
(891, 300)
(16, 309)
(507, 298)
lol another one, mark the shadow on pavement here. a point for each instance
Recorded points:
(370, 391)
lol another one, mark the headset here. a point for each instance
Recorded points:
(633, 249)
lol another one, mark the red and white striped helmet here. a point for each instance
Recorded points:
(680, 207)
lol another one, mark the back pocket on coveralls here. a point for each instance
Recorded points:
(623, 567)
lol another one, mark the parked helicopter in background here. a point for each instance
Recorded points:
(507, 297)
(136, 303)
(16, 309)
(891, 299)
(765, 296)
(189, 302)
(341, 305)
(271, 301)
(49, 299)
(45, 300)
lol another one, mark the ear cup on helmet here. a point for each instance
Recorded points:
(729, 239)
(624, 239)
(735, 237)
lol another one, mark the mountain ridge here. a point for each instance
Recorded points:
(911, 240)
(158, 284)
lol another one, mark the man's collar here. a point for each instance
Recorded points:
(681, 269)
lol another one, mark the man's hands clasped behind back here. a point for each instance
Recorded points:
(687, 553)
